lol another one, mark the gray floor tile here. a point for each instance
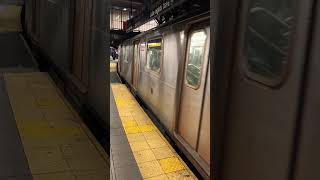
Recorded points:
(128, 172)
(122, 157)
(13, 161)
(118, 140)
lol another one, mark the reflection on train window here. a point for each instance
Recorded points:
(195, 58)
(154, 55)
(267, 39)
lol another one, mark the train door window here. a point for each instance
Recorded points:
(126, 54)
(120, 48)
(122, 52)
(136, 51)
(196, 50)
(142, 54)
(154, 55)
(142, 49)
(267, 39)
(135, 64)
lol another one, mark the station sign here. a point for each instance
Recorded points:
(156, 10)
(166, 4)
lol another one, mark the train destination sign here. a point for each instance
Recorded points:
(161, 7)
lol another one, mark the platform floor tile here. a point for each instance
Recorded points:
(155, 157)
(150, 169)
(161, 177)
(162, 152)
(144, 156)
(57, 144)
(10, 18)
(136, 137)
(171, 164)
(183, 175)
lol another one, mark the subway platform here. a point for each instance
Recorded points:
(138, 149)
(42, 136)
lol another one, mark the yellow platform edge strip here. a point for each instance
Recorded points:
(154, 155)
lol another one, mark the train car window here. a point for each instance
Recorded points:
(154, 53)
(195, 57)
(136, 52)
(126, 54)
(142, 47)
(123, 53)
(120, 57)
(267, 39)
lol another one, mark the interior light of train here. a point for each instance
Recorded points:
(142, 46)
(154, 45)
(182, 36)
(199, 36)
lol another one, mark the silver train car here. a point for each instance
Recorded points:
(168, 69)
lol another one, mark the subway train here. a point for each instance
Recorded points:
(265, 87)
(168, 69)
(265, 106)
(265, 68)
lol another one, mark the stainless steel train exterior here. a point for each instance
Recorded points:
(266, 90)
(168, 68)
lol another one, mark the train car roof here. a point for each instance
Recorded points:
(164, 26)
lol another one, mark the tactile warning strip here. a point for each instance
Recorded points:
(155, 157)
(56, 142)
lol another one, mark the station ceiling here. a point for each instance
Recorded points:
(135, 4)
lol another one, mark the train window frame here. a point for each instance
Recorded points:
(142, 55)
(119, 58)
(121, 52)
(161, 58)
(134, 43)
(128, 51)
(242, 52)
(189, 34)
(126, 54)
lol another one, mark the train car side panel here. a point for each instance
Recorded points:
(158, 89)
(126, 68)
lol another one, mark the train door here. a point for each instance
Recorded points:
(119, 58)
(204, 131)
(264, 90)
(81, 39)
(308, 148)
(192, 116)
(135, 65)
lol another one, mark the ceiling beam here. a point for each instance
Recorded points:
(136, 4)
(162, 8)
